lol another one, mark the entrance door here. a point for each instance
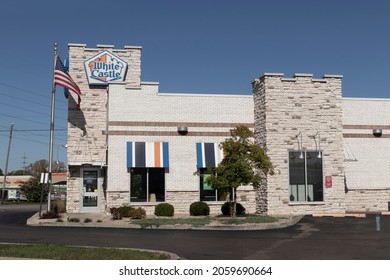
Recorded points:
(89, 199)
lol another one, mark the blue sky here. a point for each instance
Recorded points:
(200, 46)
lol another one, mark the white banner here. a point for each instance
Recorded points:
(200, 270)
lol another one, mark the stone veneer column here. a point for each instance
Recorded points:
(87, 125)
(285, 107)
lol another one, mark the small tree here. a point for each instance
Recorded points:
(245, 163)
(32, 189)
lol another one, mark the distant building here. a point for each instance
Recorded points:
(14, 183)
(12, 186)
(130, 144)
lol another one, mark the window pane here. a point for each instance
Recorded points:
(314, 176)
(223, 195)
(206, 191)
(90, 201)
(297, 190)
(90, 181)
(156, 184)
(138, 184)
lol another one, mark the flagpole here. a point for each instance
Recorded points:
(53, 100)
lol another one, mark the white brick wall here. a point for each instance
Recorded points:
(367, 165)
(147, 105)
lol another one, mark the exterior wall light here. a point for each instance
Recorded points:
(300, 145)
(319, 155)
(182, 130)
(377, 132)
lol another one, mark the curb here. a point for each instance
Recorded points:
(282, 222)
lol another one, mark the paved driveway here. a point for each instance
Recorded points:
(311, 238)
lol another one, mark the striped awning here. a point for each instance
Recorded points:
(208, 155)
(147, 154)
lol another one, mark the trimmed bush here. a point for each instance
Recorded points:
(73, 220)
(58, 206)
(199, 208)
(115, 213)
(138, 213)
(125, 211)
(225, 208)
(164, 209)
(50, 215)
(118, 213)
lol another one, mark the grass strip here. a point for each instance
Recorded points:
(166, 221)
(249, 220)
(63, 252)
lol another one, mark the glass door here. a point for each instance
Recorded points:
(89, 190)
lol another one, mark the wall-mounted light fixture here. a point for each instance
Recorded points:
(377, 132)
(182, 130)
(300, 145)
(319, 155)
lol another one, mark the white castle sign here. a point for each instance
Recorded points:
(104, 68)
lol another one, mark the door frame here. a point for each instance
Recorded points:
(83, 192)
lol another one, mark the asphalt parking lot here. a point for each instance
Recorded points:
(312, 238)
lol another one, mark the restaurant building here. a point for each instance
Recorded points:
(130, 144)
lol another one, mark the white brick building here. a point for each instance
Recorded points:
(130, 144)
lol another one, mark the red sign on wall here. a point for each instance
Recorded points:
(328, 181)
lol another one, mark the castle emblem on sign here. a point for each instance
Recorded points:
(104, 68)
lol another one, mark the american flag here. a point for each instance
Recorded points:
(62, 78)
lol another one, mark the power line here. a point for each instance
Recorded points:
(58, 129)
(21, 118)
(24, 109)
(25, 90)
(33, 102)
(29, 140)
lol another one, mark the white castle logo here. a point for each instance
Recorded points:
(105, 67)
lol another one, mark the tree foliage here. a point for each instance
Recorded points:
(245, 163)
(32, 189)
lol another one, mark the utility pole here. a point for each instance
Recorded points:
(24, 163)
(6, 163)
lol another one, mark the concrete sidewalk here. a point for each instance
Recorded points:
(101, 220)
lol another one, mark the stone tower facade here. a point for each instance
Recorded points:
(300, 114)
(87, 125)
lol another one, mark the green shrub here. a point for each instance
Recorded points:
(125, 211)
(73, 220)
(164, 209)
(225, 208)
(87, 220)
(138, 213)
(115, 213)
(58, 206)
(50, 215)
(199, 208)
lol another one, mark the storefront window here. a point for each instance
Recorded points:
(306, 176)
(207, 193)
(147, 184)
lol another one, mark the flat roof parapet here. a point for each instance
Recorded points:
(332, 76)
(103, 46)
(303, 75)
(272, 75)
(133, 47)
(297, 76)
